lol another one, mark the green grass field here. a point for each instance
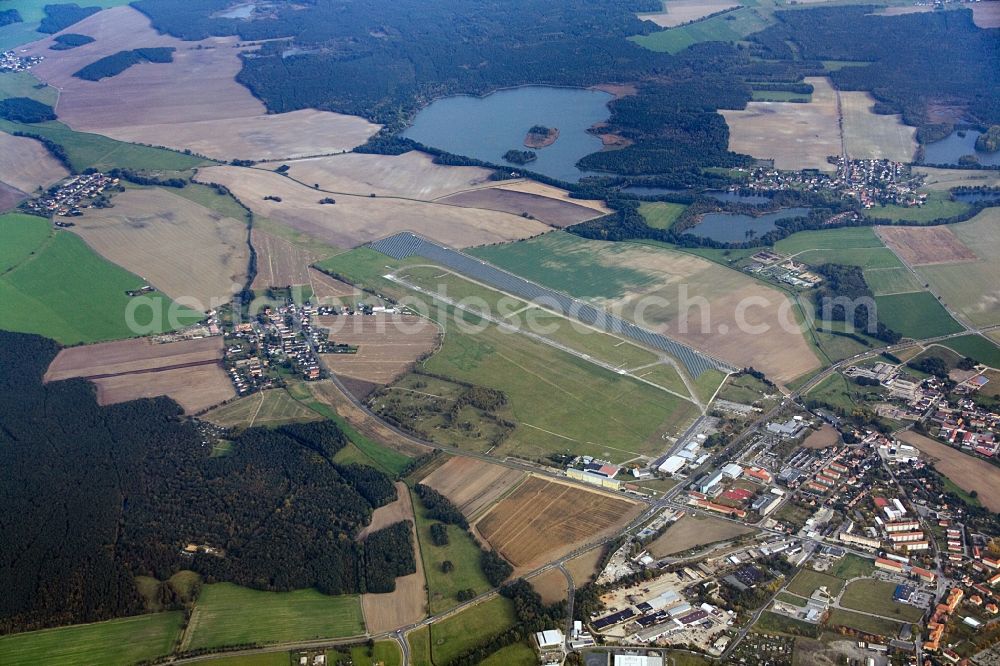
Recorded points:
(518, 654)
(853, 566)
(227, 614)
(808, 581)
(459, 633)
(939, 204)
(729, 27)
(844, 238)
(262, 659)
(67, 292)
(383, 652)
(745, 389)
(876, 596)
(976, 347)
(773, 623)
(110, 643)
(23, 84)
(661, 215)
(99, 152)
(420, 647)
(917, 315)
(834, 391)
(865, 623)
(22, 235)
(210, 198)
(461, 551)
(887, 281)
(266, 408)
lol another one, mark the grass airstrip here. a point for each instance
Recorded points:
(84, 295)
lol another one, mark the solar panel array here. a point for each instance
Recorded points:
(407, 244)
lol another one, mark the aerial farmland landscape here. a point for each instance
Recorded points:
(572, 332)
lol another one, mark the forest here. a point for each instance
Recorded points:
(25, 110)
(116, 63)
(98, 495)
(69, 41)
(9, 16)
(60, 17)
(845, 296)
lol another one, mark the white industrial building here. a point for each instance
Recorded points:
(638, 660)
(672, 465)
(549, 639)
(732, 471)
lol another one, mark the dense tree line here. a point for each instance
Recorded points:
(440, 507)
(95, 496)
(116, 63)
(495, 568)
(139, 178)
(845, 296)
(25, 110)
(60, 17)
(9, 16)
(905, 76)
(69, 41)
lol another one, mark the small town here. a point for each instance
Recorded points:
(70, 197)
(11, 62)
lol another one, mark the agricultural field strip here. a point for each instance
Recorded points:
(544, 340)
(408, 244)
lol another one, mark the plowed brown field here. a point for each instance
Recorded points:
(472, 485)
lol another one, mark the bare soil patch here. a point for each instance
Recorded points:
(163, 104)
(10, 197)
(327, 393)
(795, 135)
(902, 11)
(679, 12)
(543, 520)
(924, 246)
(541, 189)
(691, 531)
(551, 585)
(187, 371)
(554, 212)
(412, 175)
(388, 345)
(986, 14)
(280, 263)
(26, 165)
(967, 472)
(328, 289)
(472, 485)
(619, 90)
(825, 437)
(407, 604)
(583, 567)
(356, 220)
(181, 248)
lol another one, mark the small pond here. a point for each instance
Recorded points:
(949, 149)
(736, 228)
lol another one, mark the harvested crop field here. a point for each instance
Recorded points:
(965, 471)
(406, 604)
(986, 14)
(924, 246)
(551, 585)
(183, 249)
(329, 290)
(554, 212)
(583, 567)
(26, 165)
(972, 288)
(355, 220)
(678, 12)
(870, 136)
(472, 485)
(692, 531)
(280, 263)
(945, 179)
(160, 104)
(649, 284)
(10, 197)
(795, 135)
(823, 438)
(187, 371)
(552, 192)
(413, 175)
(543, 520)
(388, 345)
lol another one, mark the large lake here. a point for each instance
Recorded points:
(732, 228)
(487, 127)
(953, 146)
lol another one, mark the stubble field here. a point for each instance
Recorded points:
(923, 246)
(677, 12)
(795, 135)
(408, 602)
(355, 220)
(553, 212)
(552, 192)
(187, 371)
(966, 471)
(472, 485)
(388, 345)
(869, 136)
(183, 249)
(280, 263)
(412, 175)
(544, 519)
(209, 114)
(26, 165)
(692, 531)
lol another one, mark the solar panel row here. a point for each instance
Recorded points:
(407, 244)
